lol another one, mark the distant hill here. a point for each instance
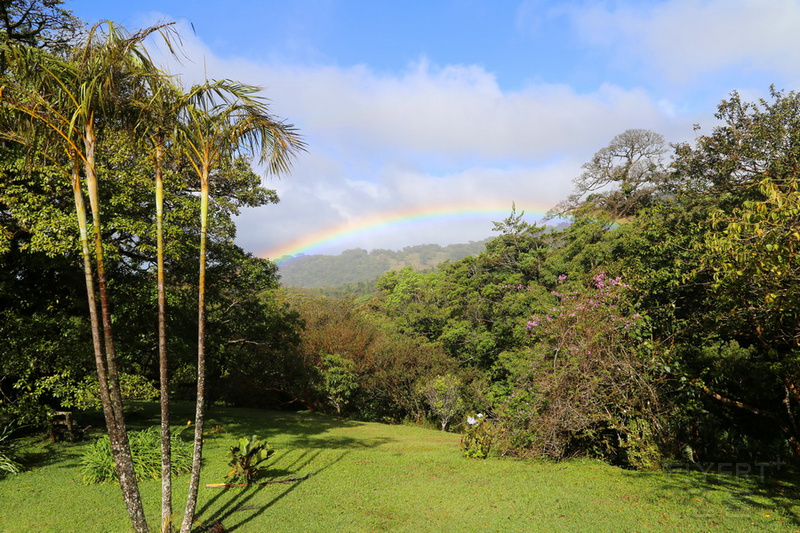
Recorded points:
(360, 266)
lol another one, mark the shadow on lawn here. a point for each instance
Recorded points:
(239, 497)
(55, 455)
(762, 487)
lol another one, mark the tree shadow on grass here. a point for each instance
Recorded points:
(55, 455)
(271, 423)
(304, 442)
(238, 503)
(304, 429)
(753, 487)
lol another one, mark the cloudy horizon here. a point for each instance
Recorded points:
(461, 107)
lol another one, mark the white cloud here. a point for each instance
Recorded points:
(689, 39)
(428, 136)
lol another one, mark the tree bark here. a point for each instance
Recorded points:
(194, 481)
(117, 433)
(166, 450)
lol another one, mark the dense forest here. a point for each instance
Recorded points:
(362, 267)
(661, 323)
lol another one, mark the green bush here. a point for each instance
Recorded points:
(592, 384)
(97, 464)
(476, 441)
(247, 459)
(7, 450)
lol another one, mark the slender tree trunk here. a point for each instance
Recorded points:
(118, 436)
(166, 452)
(102, 377)
(194, 482)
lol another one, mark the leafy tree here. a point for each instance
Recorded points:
(39, 23)
(64, 99)
(620, 178)
(750, 165)
(443, 395)
(222, 119)
(339, 378)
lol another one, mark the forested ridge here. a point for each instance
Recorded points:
(661, 324)
(359, 266)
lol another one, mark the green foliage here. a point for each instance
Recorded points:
(387, 363)
(8, 452)
(476, 439)
(359, 266)
(443, 394)
(247, 459)
(590, 387)
(85, 394)
(339, 379)
(97, 463)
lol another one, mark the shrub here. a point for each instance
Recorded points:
(591, 384)
(97, 464)
(476, 441)
(247, 459)
(7, 450)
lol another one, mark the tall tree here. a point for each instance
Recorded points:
(157, 121)
(620, 178)
(751, 165)
(65, 101)
(222, 119)
(40, 23)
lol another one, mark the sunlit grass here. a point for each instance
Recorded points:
(373, 477)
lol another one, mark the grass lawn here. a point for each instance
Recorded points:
(374, 477)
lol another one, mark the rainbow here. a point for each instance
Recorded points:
(407, 217)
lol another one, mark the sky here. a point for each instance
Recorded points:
(425, 121)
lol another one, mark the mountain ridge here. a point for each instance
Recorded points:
(357, 265)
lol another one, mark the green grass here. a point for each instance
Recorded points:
(374, 477)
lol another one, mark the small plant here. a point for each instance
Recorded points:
(7, 449)
(216, 429)
(476, 440)
(247, 459)
(97, 464)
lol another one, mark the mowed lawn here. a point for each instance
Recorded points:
(376, 477)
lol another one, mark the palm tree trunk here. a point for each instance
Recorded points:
(118, 436)
(166, 452)
(194, 482)
(102, 378)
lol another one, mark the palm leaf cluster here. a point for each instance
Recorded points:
(60, 107)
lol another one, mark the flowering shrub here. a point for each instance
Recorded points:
(476, 441)
(588, 387)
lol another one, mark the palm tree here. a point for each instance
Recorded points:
(224, 119)
(156, 121)
(64, 100)
(159, 114)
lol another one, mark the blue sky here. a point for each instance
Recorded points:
(420, 105)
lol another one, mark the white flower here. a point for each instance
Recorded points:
(471, 421)
(480, 415)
